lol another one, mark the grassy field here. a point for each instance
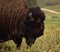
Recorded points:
(54, 7)
(49, 42)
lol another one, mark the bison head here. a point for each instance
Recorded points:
(34, 25)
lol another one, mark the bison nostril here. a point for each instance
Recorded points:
(30, 42)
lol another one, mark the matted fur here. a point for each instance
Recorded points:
(12, 16)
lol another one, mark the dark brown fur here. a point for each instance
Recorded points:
(12, 16)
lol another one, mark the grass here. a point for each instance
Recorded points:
(54, 7)
(52, 18)
(49, 42)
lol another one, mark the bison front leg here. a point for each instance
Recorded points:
(18, 41)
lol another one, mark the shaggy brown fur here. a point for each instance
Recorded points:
(12, 16)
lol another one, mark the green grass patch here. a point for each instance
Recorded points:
(52, 16)
(54, 8)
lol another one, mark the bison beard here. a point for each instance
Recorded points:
(34, 25)
(12, 16)
(16, 22)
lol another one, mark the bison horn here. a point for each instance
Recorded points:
(31, 17)
(30, 14)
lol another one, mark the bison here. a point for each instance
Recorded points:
(18, 21)
(34, 25)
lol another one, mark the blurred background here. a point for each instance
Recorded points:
(50, 41)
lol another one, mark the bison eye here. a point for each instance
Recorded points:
(38, 20)
(31, 19)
